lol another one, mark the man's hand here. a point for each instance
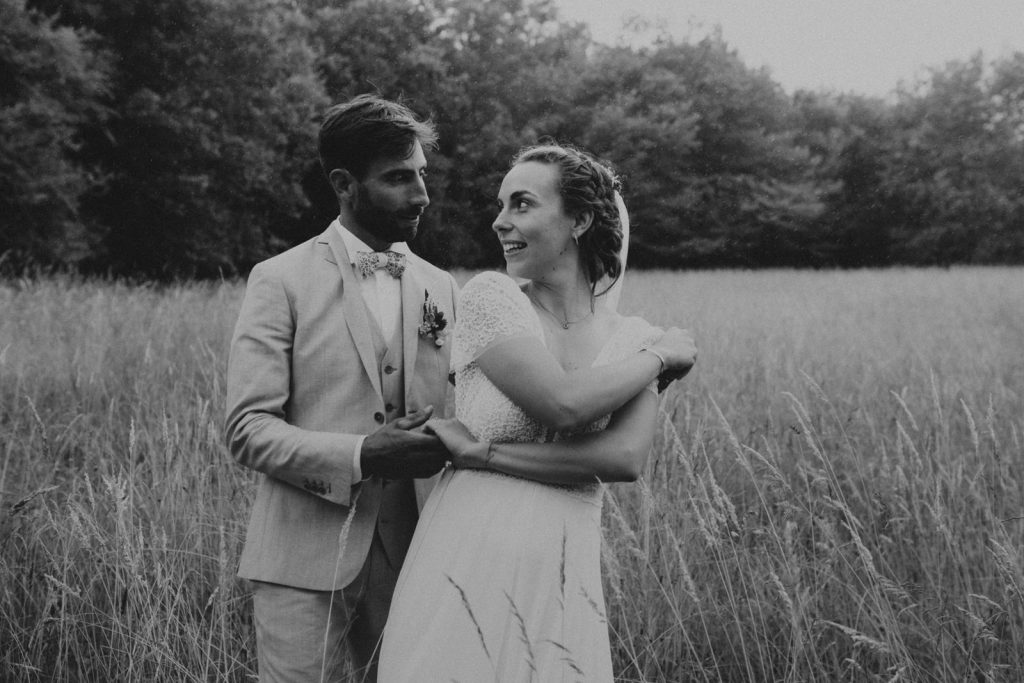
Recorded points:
(400, 450)
(666, 378)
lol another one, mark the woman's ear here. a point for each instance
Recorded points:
(343, 183)
(583, 222)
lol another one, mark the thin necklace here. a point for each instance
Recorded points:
(563, 321)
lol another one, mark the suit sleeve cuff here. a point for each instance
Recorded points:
(357, 469)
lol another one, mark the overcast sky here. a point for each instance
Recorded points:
(864, 46)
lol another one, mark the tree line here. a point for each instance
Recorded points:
(176, 138)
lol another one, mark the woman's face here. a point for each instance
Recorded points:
(532, 225)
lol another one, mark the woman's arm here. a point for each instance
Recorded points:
(525, 371)
(616, 453)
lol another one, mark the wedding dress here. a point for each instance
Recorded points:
(502, 581)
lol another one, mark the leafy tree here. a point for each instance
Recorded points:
(51, 81)
(957, 168)
(1003, 241)
(382, 46)
(642, 118)
(850, 138)
(757, 192)
(486, 73)
(214, 103)
(510, 65)
(715, 175)
(176, 137)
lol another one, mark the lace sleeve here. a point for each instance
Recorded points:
(492, 308)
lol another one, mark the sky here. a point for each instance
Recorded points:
(862, 46)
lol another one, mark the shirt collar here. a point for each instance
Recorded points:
(354, 244)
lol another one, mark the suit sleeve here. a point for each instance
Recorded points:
(258, 386)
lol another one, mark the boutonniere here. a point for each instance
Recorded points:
(434, 324)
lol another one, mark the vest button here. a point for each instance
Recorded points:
(389, 407)
(388, 369)
(379, 417)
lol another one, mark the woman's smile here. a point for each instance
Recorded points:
(512, 247)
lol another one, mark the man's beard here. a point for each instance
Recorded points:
(384, 225)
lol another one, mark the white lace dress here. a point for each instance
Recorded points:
(502, 581)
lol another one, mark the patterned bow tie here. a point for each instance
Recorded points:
(369, 261)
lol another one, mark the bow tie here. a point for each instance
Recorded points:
(369, 261)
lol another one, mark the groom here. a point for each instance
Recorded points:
(337, 359)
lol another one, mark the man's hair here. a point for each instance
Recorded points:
(356, 133)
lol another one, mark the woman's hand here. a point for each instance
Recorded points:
(466, 451)
(678, 349)
(679, 353)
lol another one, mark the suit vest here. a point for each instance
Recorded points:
(398, 514)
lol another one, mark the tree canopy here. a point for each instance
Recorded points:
(175, 138)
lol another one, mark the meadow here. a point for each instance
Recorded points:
(836, 492)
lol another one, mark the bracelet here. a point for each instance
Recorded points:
(490, 453)
(658, 356)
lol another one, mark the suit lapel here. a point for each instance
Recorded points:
(412, 314)
(352, 304)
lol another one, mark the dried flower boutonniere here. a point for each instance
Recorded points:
(434, 324)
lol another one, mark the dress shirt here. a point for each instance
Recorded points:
(383, 296)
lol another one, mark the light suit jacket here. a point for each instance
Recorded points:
(303, 384)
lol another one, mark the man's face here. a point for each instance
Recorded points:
(389, 200)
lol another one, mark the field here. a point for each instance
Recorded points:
(836, 493)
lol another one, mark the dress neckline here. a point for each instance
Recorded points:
(601, 352)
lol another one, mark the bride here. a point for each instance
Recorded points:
(555, 393)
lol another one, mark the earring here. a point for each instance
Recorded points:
(576, 239)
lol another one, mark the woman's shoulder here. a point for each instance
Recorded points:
(492, 307)
(492, 286)
(490, 280)
(490, 295)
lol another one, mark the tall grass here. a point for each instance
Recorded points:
(121, 514)
(835, 494)
(837, 490)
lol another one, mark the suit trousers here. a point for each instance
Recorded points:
(300, 633)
